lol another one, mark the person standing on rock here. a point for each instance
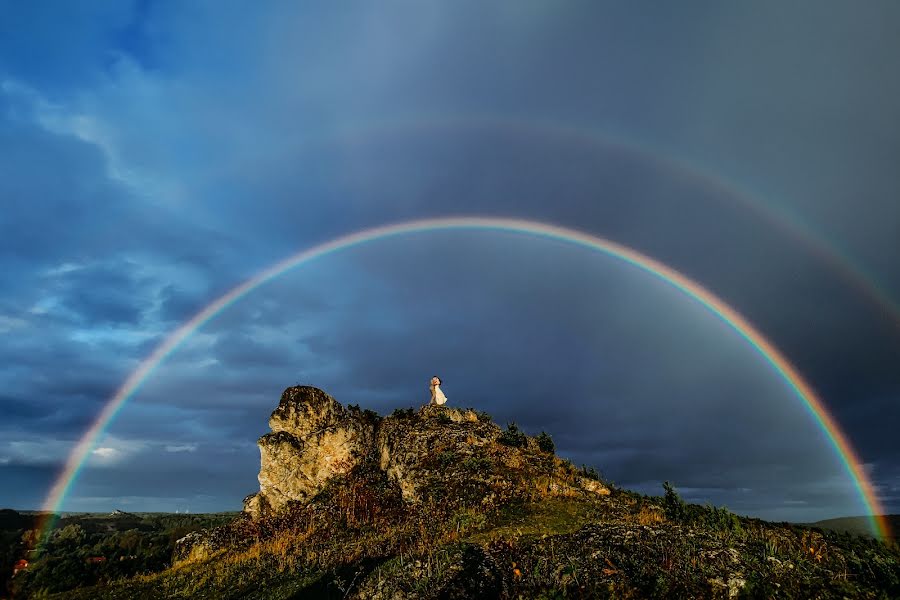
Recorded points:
(437, 396)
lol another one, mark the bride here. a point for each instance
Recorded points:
(437, 396)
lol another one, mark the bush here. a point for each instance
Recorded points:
(512, 437)
(590, 473)
(367, 414)
(446, 458)
(545, 443)
(673, 504)
(477, 463)
(721, 519)
(483, 416)
(402, 413)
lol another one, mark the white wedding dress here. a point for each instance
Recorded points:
(437, 396)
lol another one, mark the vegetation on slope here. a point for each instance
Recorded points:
(509, 520)
(91, 549)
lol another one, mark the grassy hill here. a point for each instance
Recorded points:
(499, 515)
(856, 525)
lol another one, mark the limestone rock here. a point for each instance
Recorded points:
(192, 547)
(313, 438)
(304, 410)
(405, 444)
(592, 485)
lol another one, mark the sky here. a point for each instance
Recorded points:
(155, 154)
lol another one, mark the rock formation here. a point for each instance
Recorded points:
(314, 438)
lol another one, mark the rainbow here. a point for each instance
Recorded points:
(82, 450)
(726, 190)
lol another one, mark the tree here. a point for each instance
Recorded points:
(673, 504)
(70, 535)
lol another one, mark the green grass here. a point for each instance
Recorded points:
(553, 516)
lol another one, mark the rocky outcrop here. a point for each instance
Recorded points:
(405, 443)
(314, 439)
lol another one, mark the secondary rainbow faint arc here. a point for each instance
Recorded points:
(724, 189)
(718, 307)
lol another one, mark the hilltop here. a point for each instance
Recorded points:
(441, 502)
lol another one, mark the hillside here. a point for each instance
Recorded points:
(856, 525)
(442, 503)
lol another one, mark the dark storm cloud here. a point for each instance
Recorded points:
(18, 411)
(103, 294)
(31, 481)
(241, 349)
(141, 181)
(177, 305)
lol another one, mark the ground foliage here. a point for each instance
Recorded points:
(90, 549)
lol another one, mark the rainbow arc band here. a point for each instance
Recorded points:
(724, 189)
(82, 450)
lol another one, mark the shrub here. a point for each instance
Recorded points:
(512, 437)
(477, 463)
(590, 473)
(721, 519)
(444, 418)
(446, 458)
(672, 503)
(483, 416)
(402, 413)
(545, 443)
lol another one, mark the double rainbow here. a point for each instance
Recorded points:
(82, 450)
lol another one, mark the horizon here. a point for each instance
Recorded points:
(645, 490)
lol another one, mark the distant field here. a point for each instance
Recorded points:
(856, 525)
(85, 549)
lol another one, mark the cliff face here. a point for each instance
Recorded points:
(314, 439)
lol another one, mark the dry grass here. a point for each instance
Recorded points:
(649, 515)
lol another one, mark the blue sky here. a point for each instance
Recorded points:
(155, 154)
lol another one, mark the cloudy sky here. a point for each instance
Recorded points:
(155, 154)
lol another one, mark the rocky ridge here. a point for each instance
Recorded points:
(314, 438)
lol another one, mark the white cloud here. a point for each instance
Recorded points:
(62, 269)
(114, 450)
(105, 452)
